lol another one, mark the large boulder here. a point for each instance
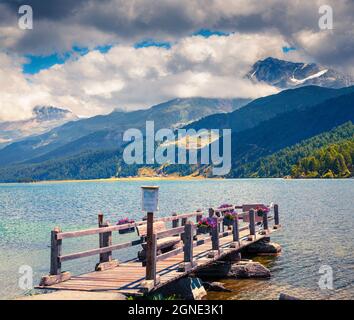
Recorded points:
(246, 269)
(263, 247)
(240, 270)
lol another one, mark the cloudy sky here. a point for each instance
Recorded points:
(92, 56)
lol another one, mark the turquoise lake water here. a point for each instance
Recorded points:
(317, 218)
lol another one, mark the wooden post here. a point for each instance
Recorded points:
(175, 223)
(105, 240)
(150, 248)
(235, 230)
(211, 212)
(198, 218)
(265, 221)
(55, 274)
(276, 215)
(188, 262)
(55, 252)
(100, 219)
(151, 262)
(188, 242)
(215, 236)
(252, 225)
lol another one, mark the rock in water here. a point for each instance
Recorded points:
(215, 286)
(263, 247)
(240, 270)
(246, 270)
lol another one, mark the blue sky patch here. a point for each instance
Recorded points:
(288, 49)
(152, 43)
(38, 63)
(206, 33)
(104, 49)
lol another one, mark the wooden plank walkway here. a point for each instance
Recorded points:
(127, 277)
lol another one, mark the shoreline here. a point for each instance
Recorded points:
(126, 179)
(169, 178)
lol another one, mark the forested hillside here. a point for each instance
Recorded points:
(333, 161)
(280, 163)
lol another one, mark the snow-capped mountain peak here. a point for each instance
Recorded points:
(285, 74)
(44, 119)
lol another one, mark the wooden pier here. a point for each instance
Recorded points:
(190, 251)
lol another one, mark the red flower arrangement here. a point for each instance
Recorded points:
(206, 223)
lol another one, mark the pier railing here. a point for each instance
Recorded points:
(187, 231)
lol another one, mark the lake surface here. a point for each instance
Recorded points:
(317, 218)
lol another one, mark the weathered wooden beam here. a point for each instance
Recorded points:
(102, 266)
(235, 230)
(169, 254)
(105, 240)
(170, 232)
(175, 223)
(92, 252)
(265, 221)
(199, 216)
(151, 248)
(211, 212)
(252, 224)
(88, 232)
(188, 262)
(276, 215)
(55, 252)
(215, 245)
(50, 280)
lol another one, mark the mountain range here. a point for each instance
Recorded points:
(106, 131)
(44, 119)
(92, 148)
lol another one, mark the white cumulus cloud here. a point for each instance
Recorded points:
(130, 78)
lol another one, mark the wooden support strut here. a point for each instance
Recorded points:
(105, 240)
(175, 223)
(55, 264)
(252, 225)
(235, 232)
(265, 221)
(211, 212)
(276, 216)
(215, 238)
(55, 274)
(151, 252)
(188, 262)
(151, 277)
(198, 218)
